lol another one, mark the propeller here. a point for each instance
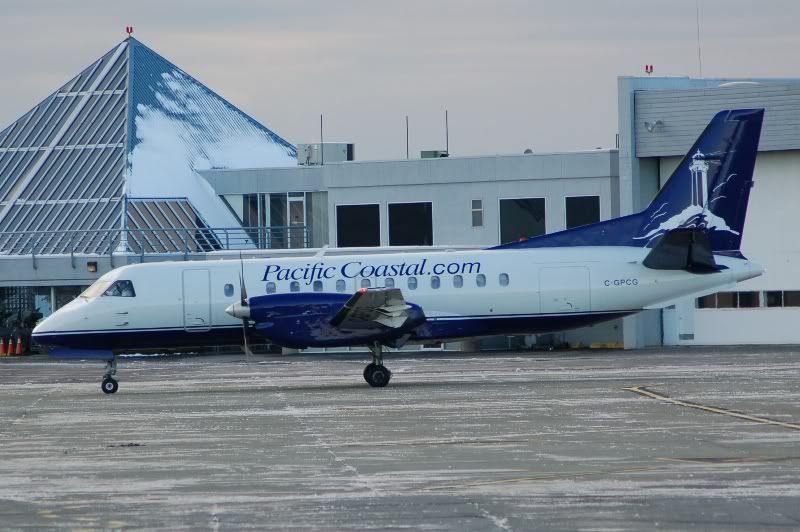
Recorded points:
(241, 309)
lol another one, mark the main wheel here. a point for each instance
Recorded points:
(377, 376)
(109, 385)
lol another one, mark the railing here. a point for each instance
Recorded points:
(183, 240)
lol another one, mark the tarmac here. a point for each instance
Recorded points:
(671, 439)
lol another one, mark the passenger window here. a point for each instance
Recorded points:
(503, 279)
(294, 286)
(480, 280)
(317, 286)
(458, 281)
(412, 283)
(365, 283)
(271, 288)
(389, 283)
(228, 290)
(340, 285)
(120, 289)
(435, 282)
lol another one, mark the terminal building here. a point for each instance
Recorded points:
(134, 160)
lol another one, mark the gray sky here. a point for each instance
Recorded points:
(513, 74)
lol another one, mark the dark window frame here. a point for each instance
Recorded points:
(389, 221)
(580, 196)
(337, 220)
(519, 237)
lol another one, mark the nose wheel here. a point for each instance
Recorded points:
(110, 384)
(376, 374)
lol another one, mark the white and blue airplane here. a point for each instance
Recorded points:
(686, 243)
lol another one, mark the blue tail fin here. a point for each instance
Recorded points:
(709, 190)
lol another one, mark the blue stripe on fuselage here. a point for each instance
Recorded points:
(438, 328)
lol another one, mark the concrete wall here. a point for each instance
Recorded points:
(448, 183)
(451, 202)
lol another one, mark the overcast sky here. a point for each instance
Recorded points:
(513, 74)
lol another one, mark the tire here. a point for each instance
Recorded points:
(109, 386)
(368, 370)
(377, 376)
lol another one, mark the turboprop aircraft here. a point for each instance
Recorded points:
(686, 243)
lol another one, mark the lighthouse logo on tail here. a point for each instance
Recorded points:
(699, 213)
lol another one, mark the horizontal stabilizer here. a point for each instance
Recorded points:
(683, 249)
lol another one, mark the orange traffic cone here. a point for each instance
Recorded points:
(3, 350)
(19, 350)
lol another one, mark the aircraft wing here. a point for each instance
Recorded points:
(368, 307)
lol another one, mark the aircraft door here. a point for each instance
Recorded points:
(196, 300)
(564, 289)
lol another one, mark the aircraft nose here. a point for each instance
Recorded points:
(42, 327)
(237, 310)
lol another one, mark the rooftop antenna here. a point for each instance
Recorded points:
(321, 143)
(406, 136)
(699, 56)
(129, 30)
(446, 135)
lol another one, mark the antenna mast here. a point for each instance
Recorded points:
(699, 56)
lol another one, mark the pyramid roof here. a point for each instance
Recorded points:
(122, 138)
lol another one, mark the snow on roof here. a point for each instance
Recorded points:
(130, 125)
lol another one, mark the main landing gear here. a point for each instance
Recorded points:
(110, 384)
(376, 374)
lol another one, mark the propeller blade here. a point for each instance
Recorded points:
(242, 292)
(243, 303)
(247, 351)
(242, 287)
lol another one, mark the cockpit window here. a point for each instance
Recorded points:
(120, 289)
(97, 288)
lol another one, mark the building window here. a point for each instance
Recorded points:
(726, 300)
(317, 286)
(503, 279)
(271, 288)
(340, 285)
(709, 301)
(228, 290)
(480, 280)
(582, 210)
(410, 224)
(458, 281)
(294, 286)
(389, 283)
(791, 298)
(435, 282)
(521, 218)
(477, 213)
(412, 283)
(774, 298)
(748, 299)
(358, 226)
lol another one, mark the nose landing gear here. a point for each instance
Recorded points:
(110, 384)
(376, 374)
